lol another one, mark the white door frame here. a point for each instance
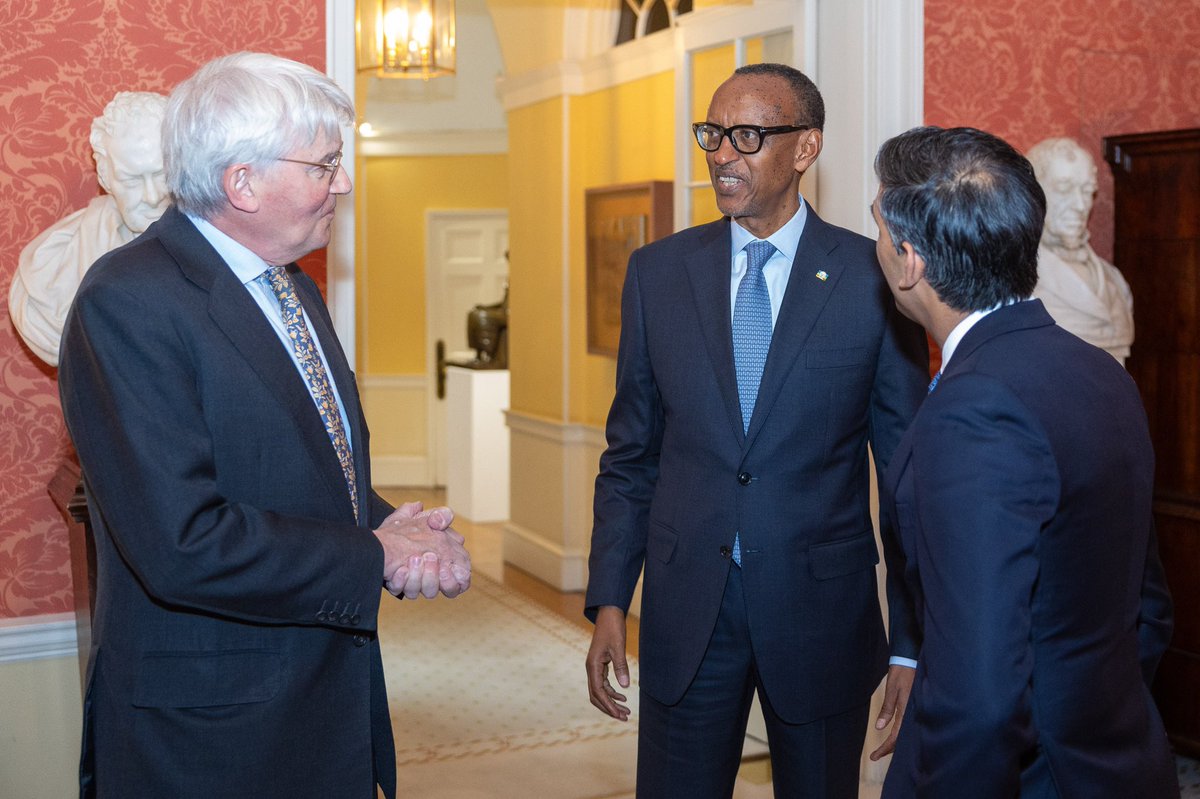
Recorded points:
(339, 260)
(432, 403)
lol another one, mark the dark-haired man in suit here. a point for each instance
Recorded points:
(759, 356)
(1022, 497)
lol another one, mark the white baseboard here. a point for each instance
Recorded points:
(566, 571)
(37, 637)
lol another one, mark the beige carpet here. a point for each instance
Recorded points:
(489, 699)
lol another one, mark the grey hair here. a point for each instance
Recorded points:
(243, 108)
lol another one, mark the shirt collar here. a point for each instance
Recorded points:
(961, 329)
(245, 265)
(786, 239)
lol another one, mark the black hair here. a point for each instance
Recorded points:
(808, 96)
(971, 207)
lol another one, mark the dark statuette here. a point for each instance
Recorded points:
(487, 334)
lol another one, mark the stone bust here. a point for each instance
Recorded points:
(126, 144)
(1084, 293)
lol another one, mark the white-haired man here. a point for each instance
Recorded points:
(127, 147)
(240, 547)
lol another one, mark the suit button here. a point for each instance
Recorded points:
(322, 616)
(344, 619)
(726, 552)
(744, 478)
(355, 619)
(360, 640)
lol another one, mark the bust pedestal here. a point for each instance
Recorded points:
(477, 443)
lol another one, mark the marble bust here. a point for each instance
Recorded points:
(126, 143)
(1084, 293)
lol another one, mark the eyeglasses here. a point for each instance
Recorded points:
(746, 139)
(330, 167)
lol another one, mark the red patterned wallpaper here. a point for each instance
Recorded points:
(1029, 69)
(61, 61)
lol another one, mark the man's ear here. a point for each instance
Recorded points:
(914, 267)
(238, 188)
(808, 147)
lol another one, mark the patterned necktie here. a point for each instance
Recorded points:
(752, 327)
(933, 383)
(314, 371)
(751, 339)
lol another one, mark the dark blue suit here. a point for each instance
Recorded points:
(234, 651)
(1022, 495)
(679, 477)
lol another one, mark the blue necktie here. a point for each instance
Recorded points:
(933, 383)
(752, 327)
(313, 371)
(751, 338)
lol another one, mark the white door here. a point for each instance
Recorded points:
(466, 265)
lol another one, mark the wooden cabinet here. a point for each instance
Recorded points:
(1157, 247)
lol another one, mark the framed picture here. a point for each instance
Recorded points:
(619, 219)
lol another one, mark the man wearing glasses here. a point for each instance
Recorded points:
(239, 545)
(759, 356)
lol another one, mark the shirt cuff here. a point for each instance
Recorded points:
(899, 661)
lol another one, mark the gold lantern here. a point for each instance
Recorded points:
(406, 38)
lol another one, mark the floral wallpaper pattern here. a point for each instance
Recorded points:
(61, 61)
(1030, 69)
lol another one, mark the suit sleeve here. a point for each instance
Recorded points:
(901, 378)
(1155, 617)
(629, 465)
(153, 461)
(984, 483)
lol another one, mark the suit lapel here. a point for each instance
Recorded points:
(803, 301)
(708, 270)
(240, 319)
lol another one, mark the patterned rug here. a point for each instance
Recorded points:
(489, 699)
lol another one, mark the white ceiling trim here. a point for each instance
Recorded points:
(628, 62)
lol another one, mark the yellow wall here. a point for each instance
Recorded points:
(395, 192)
(535, 224)
(522, 23)
(40, 728)
(621, 135)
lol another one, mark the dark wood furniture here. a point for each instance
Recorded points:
(66, 491)
(1157, 248)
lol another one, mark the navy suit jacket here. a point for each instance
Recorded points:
(680, 477)
(1022, 494)
(234, 651)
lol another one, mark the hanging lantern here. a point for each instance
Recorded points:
(406, 38)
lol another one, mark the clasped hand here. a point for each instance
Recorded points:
(422, 554)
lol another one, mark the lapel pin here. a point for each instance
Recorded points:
(822, 275)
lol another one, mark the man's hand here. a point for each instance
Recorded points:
(608, 646)
(422, 554)
(895, 700)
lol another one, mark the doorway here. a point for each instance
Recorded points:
(467, 265)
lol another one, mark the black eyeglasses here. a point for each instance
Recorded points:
(746, 139)
(330, 167)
